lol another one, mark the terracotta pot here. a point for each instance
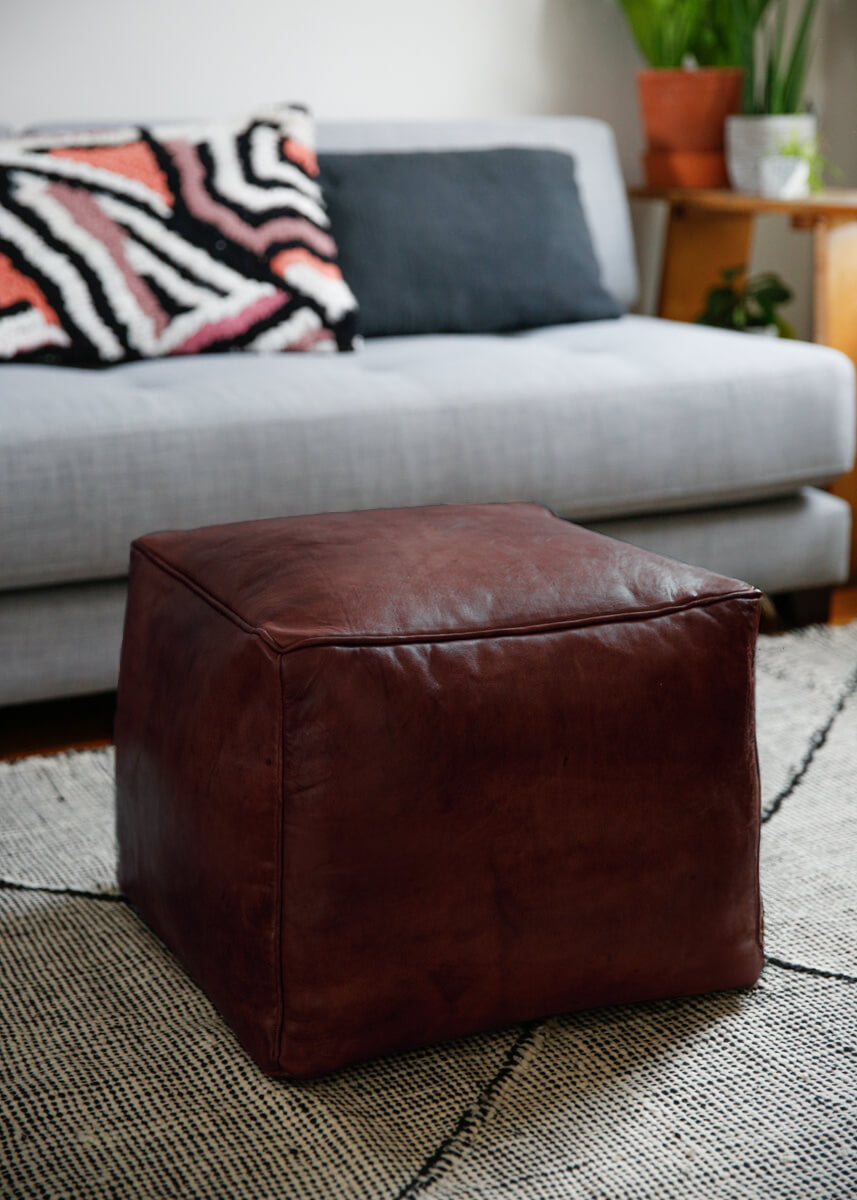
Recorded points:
(685, 168)
(687, 110)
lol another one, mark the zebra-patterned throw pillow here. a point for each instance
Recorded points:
(143, 242)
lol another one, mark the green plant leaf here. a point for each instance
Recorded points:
(768, 288)
(774, 72)
(775, 77)
(810, 151)
(794, 82)
(741, 303)
(665, 30)
(784, 328)
(784, 66)
(746, 16)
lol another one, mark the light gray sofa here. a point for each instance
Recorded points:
(703, 445)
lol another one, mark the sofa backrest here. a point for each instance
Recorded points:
(590, 141)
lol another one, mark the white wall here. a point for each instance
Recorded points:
(116, 59)
(836, 75)
(163, 58)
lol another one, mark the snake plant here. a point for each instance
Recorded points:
(775, 79)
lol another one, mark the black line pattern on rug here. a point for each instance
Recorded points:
(473, 1117)
(815, 744)
(7, 885)
(790, 966)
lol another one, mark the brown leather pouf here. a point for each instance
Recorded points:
(390, 777)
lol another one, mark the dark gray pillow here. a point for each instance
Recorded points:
(474, 241)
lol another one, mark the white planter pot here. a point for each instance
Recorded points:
(784, 177)
(749, 140)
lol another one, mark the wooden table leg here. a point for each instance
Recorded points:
(699, 247)
(836, 322)
(836, 285)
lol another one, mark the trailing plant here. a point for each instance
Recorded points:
(810, 150)
(740, 303)
(774, 72)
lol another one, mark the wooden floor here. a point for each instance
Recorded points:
(87, 722)
(77, 724)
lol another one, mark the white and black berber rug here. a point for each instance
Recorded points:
(117, 1078)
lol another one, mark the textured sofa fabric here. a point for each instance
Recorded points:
(598, 420)
(134, 242)
(70, 635)
(391, 737)
(704, 445)
(590, 142)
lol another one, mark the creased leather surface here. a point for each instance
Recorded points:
(412, 572)
(198, 795)
(361, 836)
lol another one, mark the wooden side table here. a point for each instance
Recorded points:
(710, 230)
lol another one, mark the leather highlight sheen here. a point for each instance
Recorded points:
(391, 777)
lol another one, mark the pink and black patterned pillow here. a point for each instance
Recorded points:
(143, 242)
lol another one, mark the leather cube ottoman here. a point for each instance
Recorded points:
(390, 777)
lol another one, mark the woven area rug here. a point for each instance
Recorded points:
(118, 1079)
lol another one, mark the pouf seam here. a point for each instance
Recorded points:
(276, 1049)
(213, 601)
(356, 641)
(424, 636)
(754, 744)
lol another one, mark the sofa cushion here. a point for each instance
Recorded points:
(592, 143)
(599, 419)
(136, 243)
(64, 641)
(479, 241)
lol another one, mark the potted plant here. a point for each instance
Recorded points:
(796, 170)
(748, 305)
(774, 100)
(690, 86)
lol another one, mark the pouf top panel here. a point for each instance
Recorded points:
(445, 571)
